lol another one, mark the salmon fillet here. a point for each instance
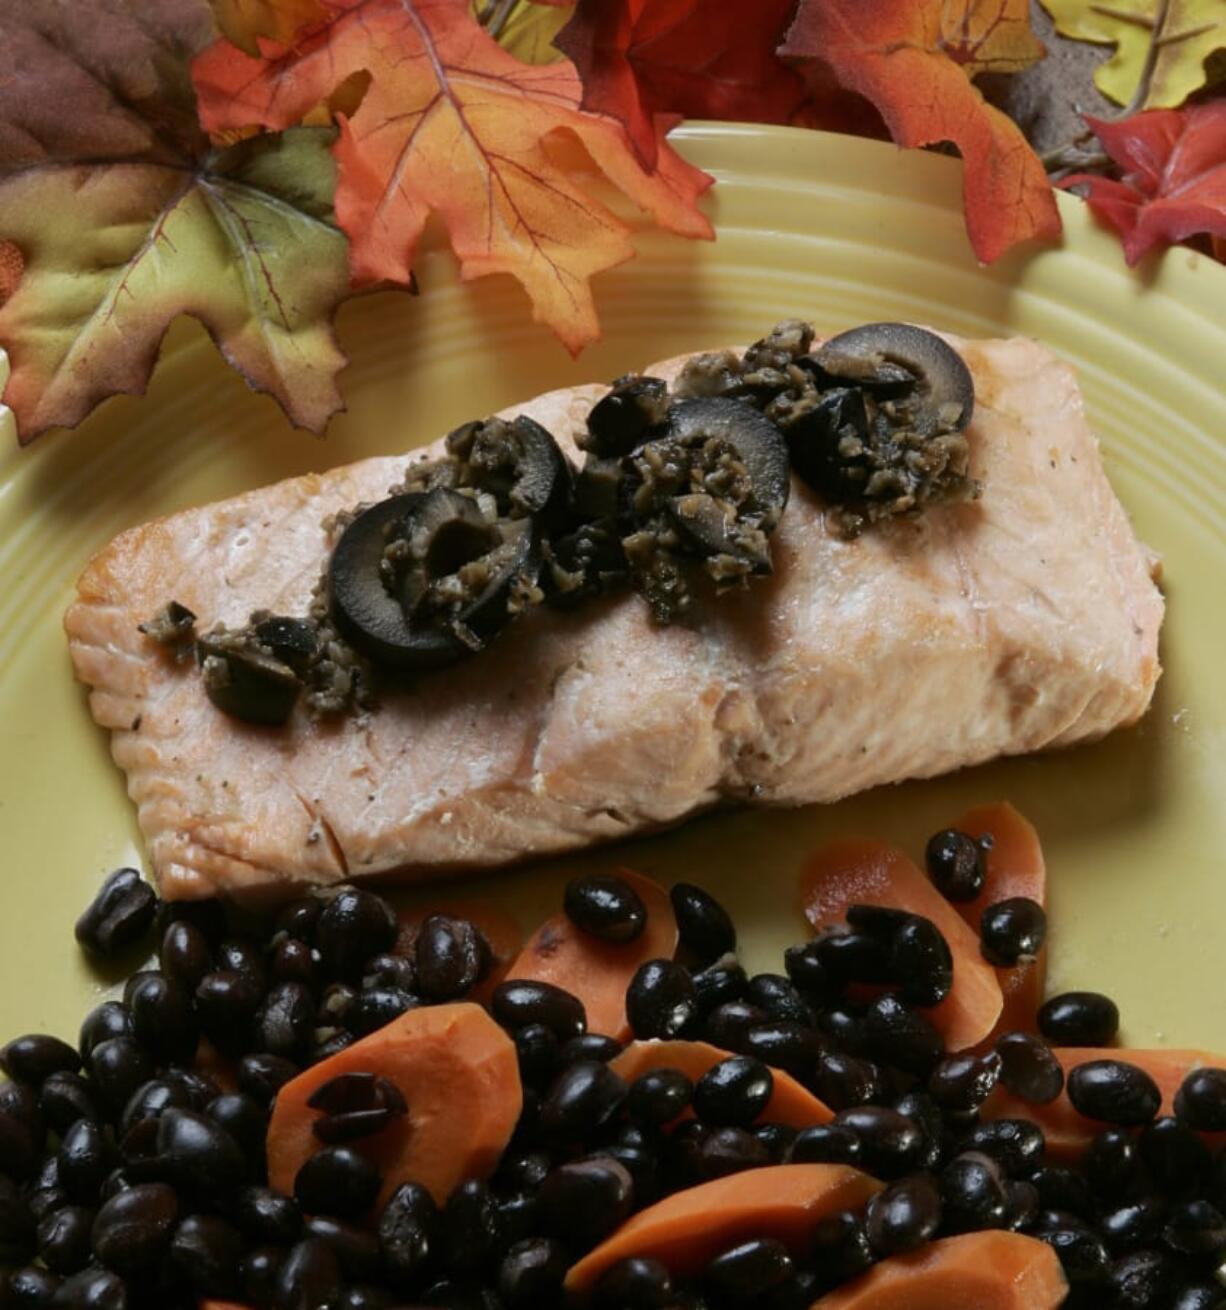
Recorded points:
(1024, 620)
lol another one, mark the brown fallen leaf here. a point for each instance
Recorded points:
(454, 125)
(124, 216)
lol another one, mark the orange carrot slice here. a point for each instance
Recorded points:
(500, 930)
(1015, 868)
(790, 1103)
(686, 1229)
(458, 1072)
(1069, 1133)
(597, 972)
(978, 1271)
(863, 872)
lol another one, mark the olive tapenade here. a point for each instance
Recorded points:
(676, 483)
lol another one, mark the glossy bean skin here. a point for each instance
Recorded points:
(705, 929)
(1112, 1162)
(1079, 1019)
(120, 914)
(634, 1284)
(519, 1002)
(733, 1093)
(661, 1001)
(266, 1217)
(350, 929)
(956, 864)
(581, 1099)
(973, 1189)
(1028, 1068)
(583, 1201)
(531, 1272)
(449, 957)
(1177, 1158)
(1114, 1092)
(408, 1232)
(961, 1083)
(1012, 931)
(605, 907)
(826, 1144)
(1200, 1101)
(1017, 1145)
(32, 1059)
(337, 1181)
(748, 1270)
(309, 1278)
(921, 961)
(906, 1215)
(659, 1096)
(890, 1143)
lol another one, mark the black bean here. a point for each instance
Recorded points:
(783, 1045)
(185, 954)
(605, 907)
(151, 1100)
(472, 1226)
(163, 1019)
(197, 1153)
(1196, 1228)
(744, 1272)
(460, 1294)
(840, 1248)
(16, 1225)
(1201, 1100)
(704, 927)
(386, 970)
(804, 966)
(85, 1158)
(778, 997)
(519, 1002)
(961, 1083)
(906, 1215)
(1021, 1204)
(407, 1233)
(1137, 1223)
(294, 961)
(118, 1067)
(634, 1284)
(734, 1092)
(356, 1248)
(778, 1140)
(243, 1118)
(890, 1143)
(921, 961)
(531, 1273)
(1012, 931)
(309, 1278)
(1079, 1019)
(355, 1105)
(957, 864)
(853, 957)
(31, 1288)
(660, 1001)
(842, 1080)
(262, 1076)
(659, 1095)
(285, 1024)
(727, 1024)
(243, 955)
(1111, 1162)
(718, 984)
(1141, 1281)
(44, 1193)
(537, 1053)
(1177, 1159)
(335, 1040)
(132, 1230)
(351, 928)
(1017, 1145)
(826, 1144)
(1082, 1255)
(65, 1098)
(110, 1019)
(299, 918)
(590, 1046)
(449, 957)
(725, 1151)
(266, 1216)
(1062, 1188)
(64, 1239)
(973, 1189)
(226, 1005)
(584, 1201)
(362, 1296)
(91, 1289)
(35, 1057)
(337, 1181)
(21, 1103)
(1029, 1069)
(580, 1100)
(1114, 1092)
(200, 1088)
(924, 1112)
(377, 1007)
(257, 1275)
(896, 1035)
(1200, 1294)
(119, 915)
(880, 921)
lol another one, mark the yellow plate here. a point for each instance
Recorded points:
(824, 227)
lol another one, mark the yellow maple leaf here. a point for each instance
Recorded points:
(530, 28)
(245, 20)
(1162, 47)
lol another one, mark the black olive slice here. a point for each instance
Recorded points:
(293, 641)
(814, 442)
(365, 611)
(597, 489)
(757, 441)
(439, 536)
(619, 421)
(874, 353)
(709, 527)
(246, 683)
(518, 462)
(584, 563)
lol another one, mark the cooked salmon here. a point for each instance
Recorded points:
(1026, 619)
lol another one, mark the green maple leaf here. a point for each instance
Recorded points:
(122, 215)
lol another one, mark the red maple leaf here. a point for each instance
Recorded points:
(1174, 182)
(915, 60)
(697, 58)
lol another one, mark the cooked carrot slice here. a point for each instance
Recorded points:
(863, 872)
(685, 1230)
(1015, 868)
(458, 1072)
(500, 930)
(978, 1271)
(790, 1103)
(1069, 1133)
(597, 972)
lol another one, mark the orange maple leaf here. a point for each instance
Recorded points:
(452, 124)
(915, 60)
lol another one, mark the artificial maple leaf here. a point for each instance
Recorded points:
(453, 124)
(914, 59)
(1174, 176)
(124, 217)
(530, 30)
(245, 21)
(1162, 47)
(696, 58)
